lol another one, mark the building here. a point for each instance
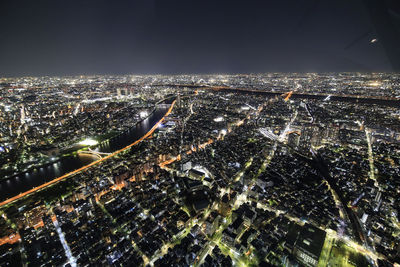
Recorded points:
(305, 243)
(197, 174)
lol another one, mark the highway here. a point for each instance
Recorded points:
(70, 174)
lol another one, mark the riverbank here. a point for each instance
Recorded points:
(73, 151)
(71, 173)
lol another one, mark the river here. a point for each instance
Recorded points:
(40, 175)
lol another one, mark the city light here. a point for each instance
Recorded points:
(88, 142)
(375, 84)
(143, 114)
(219, 119)
(209, 174)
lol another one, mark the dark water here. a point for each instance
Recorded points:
(133, 134)
(25, 181)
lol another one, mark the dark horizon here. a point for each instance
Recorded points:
(69, 38)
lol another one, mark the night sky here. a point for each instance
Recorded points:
(70, 37)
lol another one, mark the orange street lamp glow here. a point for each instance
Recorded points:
(56, 180)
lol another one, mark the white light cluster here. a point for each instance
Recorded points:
(88, 142)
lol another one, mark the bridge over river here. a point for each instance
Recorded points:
(23, 184)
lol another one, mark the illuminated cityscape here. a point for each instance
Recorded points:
(297, 169)
(201, 133)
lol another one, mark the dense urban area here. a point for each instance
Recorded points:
(228, 170)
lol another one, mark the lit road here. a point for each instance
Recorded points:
(242, 260)
(371, 157)
(56, 180)
(208, 247)
(67, 250)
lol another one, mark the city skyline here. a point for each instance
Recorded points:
(200, 170)
(201, 133)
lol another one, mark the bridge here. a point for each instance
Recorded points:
(163, 105)
(98, 154)
(72, 173)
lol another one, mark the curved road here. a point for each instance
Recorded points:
(70, 174)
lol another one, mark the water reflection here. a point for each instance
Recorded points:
(23, 182)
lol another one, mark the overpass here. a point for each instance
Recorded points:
(94, 153)
(72, 173)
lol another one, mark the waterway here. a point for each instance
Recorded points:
(40, 175)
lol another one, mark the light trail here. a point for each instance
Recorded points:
(35, 189)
